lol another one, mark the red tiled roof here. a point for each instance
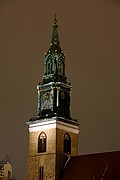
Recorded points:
(93, 167)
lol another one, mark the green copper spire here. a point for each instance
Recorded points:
(55, 37)
(54, 60)
(54, 91)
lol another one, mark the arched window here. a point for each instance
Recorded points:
(55, 65)
(61, 65)
(67, 143)
(49, 64)
(42, 142)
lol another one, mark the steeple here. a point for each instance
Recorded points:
(54, 91)
(55, 37)
(54, 60)
(53, 134)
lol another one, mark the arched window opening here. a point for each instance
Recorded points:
(49, 67)
(46, 69)
(67, 143)
(55, 66)
(41, 172)
(42, 142)
(59, 67)
(62, 67)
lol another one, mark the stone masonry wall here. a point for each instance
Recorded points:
(61, 156)
(54, 158)
(60, 142)
(46, 159)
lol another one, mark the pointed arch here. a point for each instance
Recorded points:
(55, 65)
(49, 64)
(42, 142)
(49, 67)
(67, 143)
(61, 65)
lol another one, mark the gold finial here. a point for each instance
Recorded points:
(55, 20)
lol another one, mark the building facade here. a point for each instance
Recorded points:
(53, 134)
(5, 170)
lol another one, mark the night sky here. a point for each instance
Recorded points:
(89, 32)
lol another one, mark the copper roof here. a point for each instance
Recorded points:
(100, 166)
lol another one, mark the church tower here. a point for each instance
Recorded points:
(53, 134)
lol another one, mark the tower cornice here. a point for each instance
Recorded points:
(54, 122)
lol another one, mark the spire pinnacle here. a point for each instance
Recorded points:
(55, 20)
(54, 62)
(55, 37)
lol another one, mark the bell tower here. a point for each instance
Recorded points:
(53, 134)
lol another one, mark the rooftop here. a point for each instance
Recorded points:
(99, 166)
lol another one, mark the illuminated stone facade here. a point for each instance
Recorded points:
(5, 171)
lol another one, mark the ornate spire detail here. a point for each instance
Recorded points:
(55, 37)
(54, 59)
(55, 20)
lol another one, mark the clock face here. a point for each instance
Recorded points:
(62, 94)
(47, 95)
(46, 100)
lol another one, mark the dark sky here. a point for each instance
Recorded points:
(89, 32)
